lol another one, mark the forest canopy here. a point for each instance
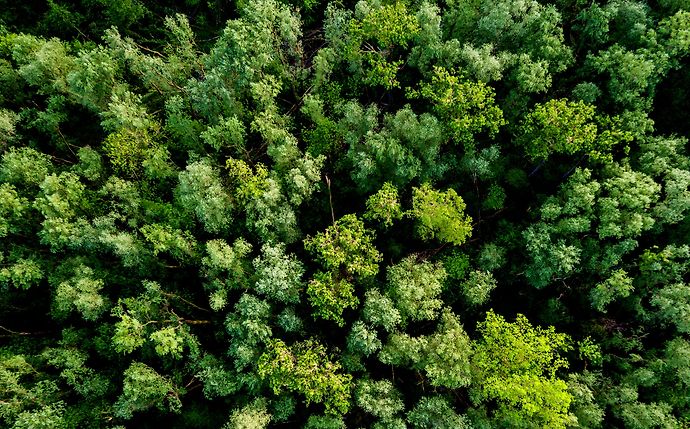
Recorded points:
(379, 214)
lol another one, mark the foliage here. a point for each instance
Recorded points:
(285, 213)
(516, 366)
(144, 388)
(331, 296)
(278, 274)
(563, 127)
(304, 367)
(370, 37)
(414, 288)
(24, 167)
(383, 206)
(380, 310)
(378, 398)
(478, 287)
(127, 149)
(444, 355)
(406, 148)
(252, 416)
(201, 191)
(346, 245)
(80, 293)
(440, 214)
(468, 107)
(435, 412)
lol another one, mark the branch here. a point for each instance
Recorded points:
(330, 199)
(24, 334)
(172, 295)
(196, 322)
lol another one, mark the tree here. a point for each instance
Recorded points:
(81, 293)
(407, 148)
(330, 296)
(564, 127)
(478, 287)
(346, 245)
(617, 207)
(12, 205)
(226, 268)
(150, 316)
(383, 206)
(27, 400)
(170, 251)
(440, 214)
(24, 166)
(444, 355)
(144, 388)
(278, 275)
(515, 364)
(201, 191)
(619, 285)
(7, 121)
(367, 40)
(673, 303)
(305, 368)
(363, 339)
(380, 310)
(252, 416)
(468, 107)
(435, 412)
(447, 355)
(379, 398)
(127, 150)
(415, 287)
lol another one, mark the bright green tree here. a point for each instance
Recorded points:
(516, 365)
(440, 215)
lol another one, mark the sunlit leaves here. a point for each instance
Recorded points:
(22, 273)
(12, 206)
(201, 191)
(673, 303)
(330, 296)
(444, 355)
(7, 122)
(435, 412)
(379, 398)
(380, 310)
(129, 334)
(24, 167)
(564, 127)
(415, 288)
(478, 287)
(145, 388)
(81, 293)
(618, 285)
(278, 274)
(156, 190)
(306, 368)
(440, 215)
(62, 196)
(515, 364)
(469, 107)
(371, 36)
(127, 149)
(347, 245)
(251, 416)
(383, 206)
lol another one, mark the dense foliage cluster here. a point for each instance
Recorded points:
(367, 214)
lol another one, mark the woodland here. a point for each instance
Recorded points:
(382, 214)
